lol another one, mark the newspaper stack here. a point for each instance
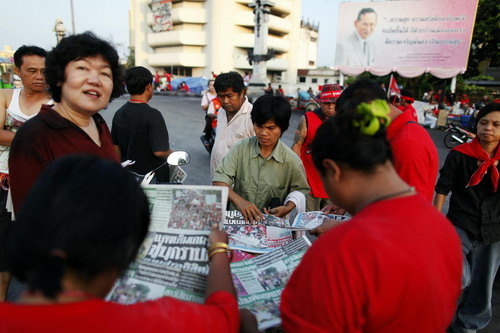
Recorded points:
(260, 281)
(173, 260)
(263, 237)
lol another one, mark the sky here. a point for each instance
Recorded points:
(32, 22)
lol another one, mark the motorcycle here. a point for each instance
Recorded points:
(174, 162)
(457, 135)
(208, 144)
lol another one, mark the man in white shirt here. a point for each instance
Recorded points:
(358, 49)
(16, 107)
(233, 120)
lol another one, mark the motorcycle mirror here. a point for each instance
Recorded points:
(179, 158)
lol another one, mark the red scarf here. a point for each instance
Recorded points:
(474, 150)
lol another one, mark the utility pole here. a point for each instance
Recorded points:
(72, 17)
(260, 54)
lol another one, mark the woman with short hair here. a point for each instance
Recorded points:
(471, 174)
(261, 171)
(84, 75)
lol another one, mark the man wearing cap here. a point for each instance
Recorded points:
(405, 104)
(304, 136)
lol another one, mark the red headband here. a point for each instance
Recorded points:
(408, 99)
(329, 94)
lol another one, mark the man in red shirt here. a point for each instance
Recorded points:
(304, 135)
(405, 104)
(413, 151)
(414, 154)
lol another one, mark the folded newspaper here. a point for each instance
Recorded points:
(173, 259)
(260, 281)
(256, 238)
(311, 220)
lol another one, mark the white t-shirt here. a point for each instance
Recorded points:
(207, 98)
(228, 134)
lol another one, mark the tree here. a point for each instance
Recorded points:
(485, 38)
(131, 57)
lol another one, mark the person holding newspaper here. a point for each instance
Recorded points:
(262, 173)
(77, 250)
(396, 265)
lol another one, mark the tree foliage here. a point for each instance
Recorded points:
(485, 38)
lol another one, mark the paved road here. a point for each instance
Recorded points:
(185, 121)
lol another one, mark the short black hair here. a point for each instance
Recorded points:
(77, 47)
(269, 107)
(84, 214)
(232, 80)
(27, 50)
(365, 11)
(137, 79)
(406, 92)
(488, 108)
(340, 140)
(360, 91)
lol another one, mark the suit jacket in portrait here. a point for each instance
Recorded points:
(350, 52)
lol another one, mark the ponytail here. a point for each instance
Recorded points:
(354, 137)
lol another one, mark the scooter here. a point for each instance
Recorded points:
(456, 135)
(208, 144)
(174, 161)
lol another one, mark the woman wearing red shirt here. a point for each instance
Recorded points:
(396, 266)
(86, 221)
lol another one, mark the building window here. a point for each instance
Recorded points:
(313, 39)
(326, 80)
(314, 80)
(311, 63)
(302, 79)
(179, 70)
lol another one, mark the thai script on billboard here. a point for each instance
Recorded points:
(395, 34)
(162, 15)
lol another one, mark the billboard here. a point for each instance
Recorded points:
(408, 37)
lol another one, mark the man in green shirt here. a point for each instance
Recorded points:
(261, 170)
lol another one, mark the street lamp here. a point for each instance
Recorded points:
(260, 54)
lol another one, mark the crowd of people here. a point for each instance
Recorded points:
(398, 265)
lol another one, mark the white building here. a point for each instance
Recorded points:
(216, 35)
(315, 78)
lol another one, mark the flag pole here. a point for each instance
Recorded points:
(389, 86)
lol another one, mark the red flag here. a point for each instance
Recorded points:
(393, 87)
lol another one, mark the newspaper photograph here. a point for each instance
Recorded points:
(173, 259)
(260, 281)
(177, 174)
(256, 238)
(311, 220)
(186, 208)
(239, 255)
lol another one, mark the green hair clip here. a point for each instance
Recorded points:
(372, 116)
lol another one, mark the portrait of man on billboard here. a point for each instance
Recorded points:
(358, 49)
